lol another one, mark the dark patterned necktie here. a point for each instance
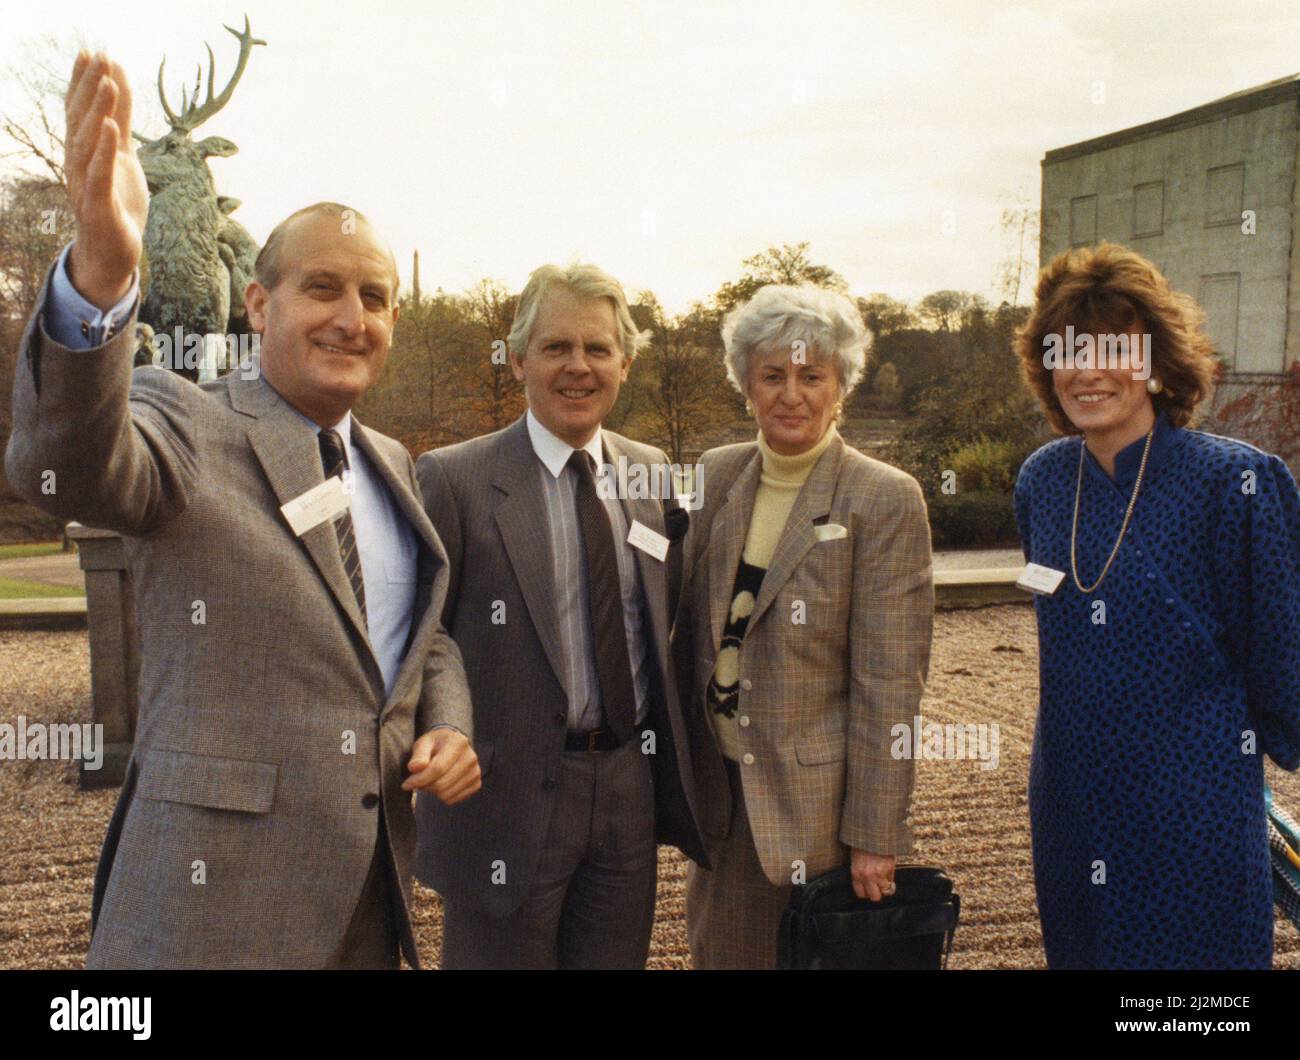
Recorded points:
(334, 461)
(605, 591)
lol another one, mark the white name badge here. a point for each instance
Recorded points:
(830, 532)
(651, 542)
(1039, 579)
(319, 503)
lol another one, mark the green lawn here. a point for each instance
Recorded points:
(12, 589)
(42, 548)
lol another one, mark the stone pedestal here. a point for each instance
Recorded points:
(114, 649)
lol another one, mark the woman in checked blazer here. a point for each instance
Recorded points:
(803, 634)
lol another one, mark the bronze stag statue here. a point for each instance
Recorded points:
(199, 257)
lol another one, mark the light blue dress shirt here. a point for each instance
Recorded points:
(389, 553)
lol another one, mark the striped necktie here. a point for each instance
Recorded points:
(334, 459)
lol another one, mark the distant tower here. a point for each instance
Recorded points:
(415, 280)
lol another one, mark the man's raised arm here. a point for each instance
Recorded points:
(83, 447)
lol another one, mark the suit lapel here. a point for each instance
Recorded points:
(799, 535)
(521, 520)
(289, 454)
(727, 540)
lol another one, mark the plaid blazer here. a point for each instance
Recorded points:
(246, 825)
(836, 653)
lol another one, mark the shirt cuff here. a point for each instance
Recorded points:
(73, 322)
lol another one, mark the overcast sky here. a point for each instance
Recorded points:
(666, 141)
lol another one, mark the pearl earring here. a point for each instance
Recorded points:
(749, 408)
(1154, 386)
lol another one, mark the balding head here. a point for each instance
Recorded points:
(269, 269)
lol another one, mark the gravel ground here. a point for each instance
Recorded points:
(970, 821)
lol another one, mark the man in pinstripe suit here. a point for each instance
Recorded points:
(559, 602)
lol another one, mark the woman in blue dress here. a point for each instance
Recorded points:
(1170, 650)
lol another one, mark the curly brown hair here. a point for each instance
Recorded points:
(1107, 288)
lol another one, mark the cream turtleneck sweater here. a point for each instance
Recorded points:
(779, 483)
(780, 480)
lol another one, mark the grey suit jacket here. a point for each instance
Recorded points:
(835, 654)
(485, 499)
(247, 821)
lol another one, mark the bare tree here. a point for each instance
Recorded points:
(417, 399)
(681, 381)
(36, 136)
(35, 222)
(448, 377)
(1020, 225)
(496, 398)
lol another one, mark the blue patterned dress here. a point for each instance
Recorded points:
(1160, 692)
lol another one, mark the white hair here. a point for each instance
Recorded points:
(586, 282)
(779, 316)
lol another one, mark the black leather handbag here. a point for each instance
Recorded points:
(827, 926)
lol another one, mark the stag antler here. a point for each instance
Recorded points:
(192, 116)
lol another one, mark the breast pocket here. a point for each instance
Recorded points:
(817, 598)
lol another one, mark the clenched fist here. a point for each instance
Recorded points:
(444, 764)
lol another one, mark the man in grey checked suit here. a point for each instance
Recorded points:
(563, 623)
(296, 685)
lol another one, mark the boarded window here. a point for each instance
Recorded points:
(1149, 209)
(1219, 297)
(1083, 221)
(1224, 192)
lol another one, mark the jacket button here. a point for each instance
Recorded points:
(748, 759)
(548, 784)
(369, 800)
(746, 684)
(559, 718)
(743, 721)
